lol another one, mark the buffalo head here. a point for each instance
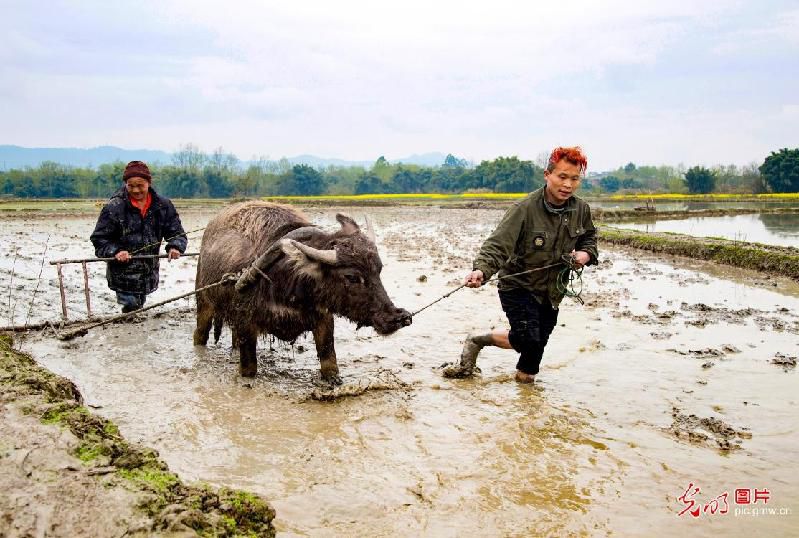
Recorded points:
(347, 268)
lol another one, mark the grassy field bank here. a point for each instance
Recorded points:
(778, 261)
(91, 476)
(12, 205)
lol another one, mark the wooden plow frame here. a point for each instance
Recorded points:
(59, 263)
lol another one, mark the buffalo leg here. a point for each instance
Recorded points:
(248, 358)
(234, 337)
(218, 323)
(325, 350)
(205, 318)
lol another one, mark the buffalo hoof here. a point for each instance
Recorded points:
(333, 379)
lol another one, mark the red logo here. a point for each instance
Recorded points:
(689, 502)
(717, 505)
(742, 496)
(762, 495)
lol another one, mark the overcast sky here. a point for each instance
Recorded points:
(683, 81)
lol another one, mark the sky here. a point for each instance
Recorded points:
(686, 81)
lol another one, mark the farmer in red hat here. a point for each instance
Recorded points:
(134, 222)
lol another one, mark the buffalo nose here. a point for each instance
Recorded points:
(406, 318)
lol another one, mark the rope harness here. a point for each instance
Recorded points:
(228, 278)
(168, 239)
(569, 282)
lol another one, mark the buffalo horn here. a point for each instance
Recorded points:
(324, 256)
(370, 232)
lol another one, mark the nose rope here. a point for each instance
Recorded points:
(566, 278)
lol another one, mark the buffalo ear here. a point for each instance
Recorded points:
(348, 226)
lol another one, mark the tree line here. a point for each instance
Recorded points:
(195, 174)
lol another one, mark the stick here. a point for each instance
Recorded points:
(83, 330)
(141, 257)
(11, 286)
(38, 281)
(61, 289)
(86, 290)
(40, 325)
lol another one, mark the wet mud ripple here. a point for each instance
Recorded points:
(711, 432)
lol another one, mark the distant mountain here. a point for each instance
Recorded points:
(321, 162)
(425, 159)
(19, 157)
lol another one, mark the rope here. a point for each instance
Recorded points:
(570, 279)
(228, 278)
(168, 239)
(492, 279)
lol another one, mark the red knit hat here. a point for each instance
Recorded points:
(136, 169)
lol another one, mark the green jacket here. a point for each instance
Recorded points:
(529, 236)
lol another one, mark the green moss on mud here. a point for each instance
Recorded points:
(171, 504)
(155, 479)
(777, 261)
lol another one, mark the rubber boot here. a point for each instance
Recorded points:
(468, 362)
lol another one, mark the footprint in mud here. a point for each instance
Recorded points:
(708, 352)
(709, 431)
(788, 362)
(661, 335)
(382, 380)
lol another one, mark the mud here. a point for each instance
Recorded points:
(66, 472)
(587, 450)
(708, 431)
(382, 380)
(788, 362)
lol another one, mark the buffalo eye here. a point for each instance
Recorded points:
(353, 279)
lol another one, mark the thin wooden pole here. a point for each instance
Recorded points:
(142, 257)
(61, 289)
(86, 290)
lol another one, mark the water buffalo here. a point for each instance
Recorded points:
(295, 278)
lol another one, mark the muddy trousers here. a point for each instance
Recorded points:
(130, 301)
(531, 323)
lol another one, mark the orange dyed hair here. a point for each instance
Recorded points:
(573, 155)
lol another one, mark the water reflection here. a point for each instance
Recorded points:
(772, 229)
(695, 205)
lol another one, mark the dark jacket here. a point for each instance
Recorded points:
(530, 236)
(121, 227)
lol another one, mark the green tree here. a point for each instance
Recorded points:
(219, 186)
(780, 170)
(369, 183)
(610, 183)
(307, 180)
(506, 174)
(700, 180)
(451, 161)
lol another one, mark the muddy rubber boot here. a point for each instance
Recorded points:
(468, 362)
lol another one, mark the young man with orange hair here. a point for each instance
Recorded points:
(534, 233)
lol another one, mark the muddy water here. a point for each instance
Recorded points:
(603, 445)
(693, 205)
(780, 229)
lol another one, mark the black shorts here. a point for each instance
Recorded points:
(531, 323)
